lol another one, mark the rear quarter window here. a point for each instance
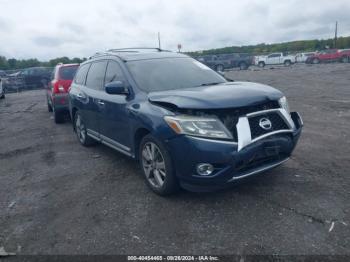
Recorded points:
(81, 74)
(96, 75)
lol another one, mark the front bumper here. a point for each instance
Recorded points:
(232, 161)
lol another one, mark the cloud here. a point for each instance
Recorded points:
(47, 29)
(47, 41)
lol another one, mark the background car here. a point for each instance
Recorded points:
(57, 90)
(301, 57)
(227, 61)
(2, 89)
(35, 77)
(327, 56)
(274, 59)
(2, 73)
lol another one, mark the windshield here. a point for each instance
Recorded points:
(171, 74)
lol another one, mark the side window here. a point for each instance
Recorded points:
(81, 75)
(114, 73)
(96, 75)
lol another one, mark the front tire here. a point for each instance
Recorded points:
(80, 130)
(157, 166)
(287, 63)
(261, 64)
(345, 59)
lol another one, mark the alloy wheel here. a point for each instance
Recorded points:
(80, 129)
(153, 164)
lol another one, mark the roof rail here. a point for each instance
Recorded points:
(98, 54)
(128, 50)
(135, 49)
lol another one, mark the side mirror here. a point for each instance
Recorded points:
(116, 88)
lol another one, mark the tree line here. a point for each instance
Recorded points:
(13, 64)
(294, 46)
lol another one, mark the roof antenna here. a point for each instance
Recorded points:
(159, 41)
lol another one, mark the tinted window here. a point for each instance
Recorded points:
(67, 72)
(172, 73)
(274, 55)
(96, 75)
(114, 73)
(81, 75)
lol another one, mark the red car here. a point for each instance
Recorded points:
(57, 90)
(330, 55)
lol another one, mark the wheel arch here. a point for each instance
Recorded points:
(138, 135)
(74, 111)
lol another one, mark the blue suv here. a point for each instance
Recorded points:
(186, 125)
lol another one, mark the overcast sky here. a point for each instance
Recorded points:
(77, 28)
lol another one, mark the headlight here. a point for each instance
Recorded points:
(284, 104)
(198, 126)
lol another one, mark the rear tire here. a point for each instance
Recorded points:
(316, 61)
(80, 130)
(157, 168)
(2, 97)
(49, 107)
(261, 64)
(58, 116)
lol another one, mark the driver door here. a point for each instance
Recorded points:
(113, 116)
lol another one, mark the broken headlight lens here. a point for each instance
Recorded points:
(198, 126)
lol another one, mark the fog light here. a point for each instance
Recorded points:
(205, 169)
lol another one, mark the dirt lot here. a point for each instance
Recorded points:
(58, 197)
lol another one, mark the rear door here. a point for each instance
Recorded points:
(92, 94)
(114, 117)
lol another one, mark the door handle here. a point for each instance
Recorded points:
(101, 103)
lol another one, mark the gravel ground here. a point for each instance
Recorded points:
(58, 197)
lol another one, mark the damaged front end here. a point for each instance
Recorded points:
(263, 136)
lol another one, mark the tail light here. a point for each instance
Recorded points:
(57, 87)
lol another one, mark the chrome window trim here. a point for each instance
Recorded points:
(258, 170)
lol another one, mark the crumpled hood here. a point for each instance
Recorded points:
(226, 95)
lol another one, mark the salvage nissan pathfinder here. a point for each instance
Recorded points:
(186, 125)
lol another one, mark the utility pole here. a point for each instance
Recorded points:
(336, 34)
(159, 40)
